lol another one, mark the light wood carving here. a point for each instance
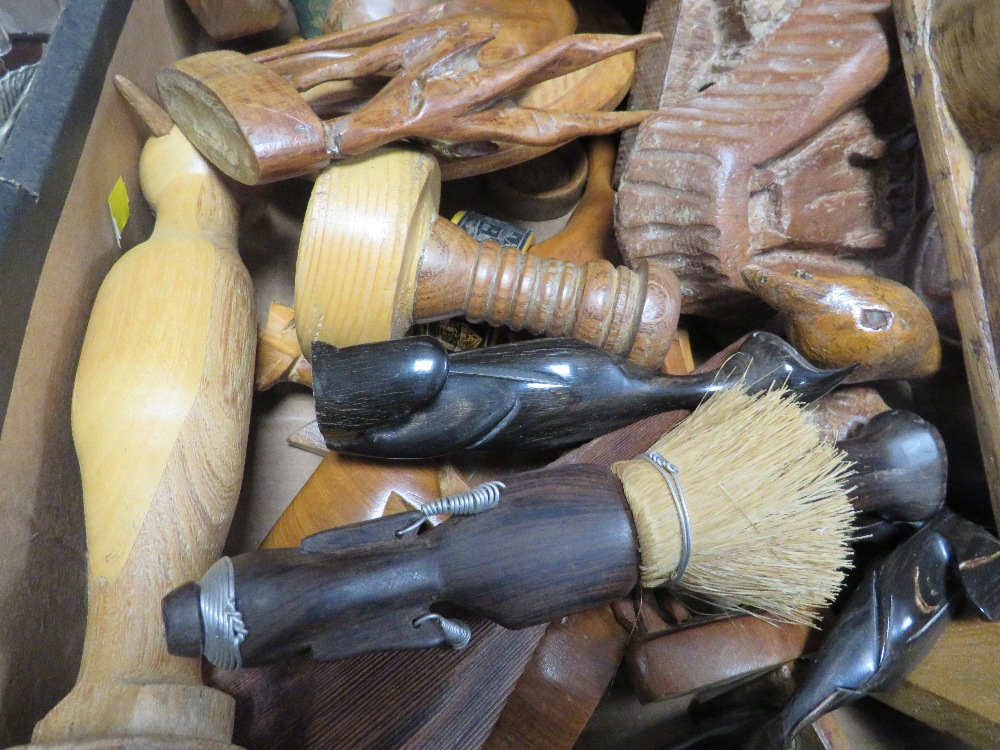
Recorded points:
(229, 19)
(712, 186)
(279, 356)
(160, 418)
(373, 261)
(522, 29)
(836, 321)
(251, 122)
(949, 56)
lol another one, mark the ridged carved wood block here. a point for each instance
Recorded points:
(372, 262)
(715, 180)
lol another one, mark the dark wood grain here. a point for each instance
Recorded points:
(410, 699)
(409, 399)
(560, 541)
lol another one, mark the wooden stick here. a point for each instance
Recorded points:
(964, 184)
(589, 233)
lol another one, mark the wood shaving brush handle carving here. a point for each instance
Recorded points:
(626, 312)
(372, 262)
(160, 417)
(560, 540)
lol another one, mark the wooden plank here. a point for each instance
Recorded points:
(967, 202)
(957, 687)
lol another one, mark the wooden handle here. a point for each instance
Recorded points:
(160, 418)
(630, 313)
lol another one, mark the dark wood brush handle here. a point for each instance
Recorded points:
(560, 540)
(631, 313)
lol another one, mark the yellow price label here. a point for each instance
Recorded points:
(118, 203)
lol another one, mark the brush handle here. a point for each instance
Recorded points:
(560, 540)
(160, 417)
(630, 313)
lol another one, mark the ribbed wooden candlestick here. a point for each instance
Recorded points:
(596, 302)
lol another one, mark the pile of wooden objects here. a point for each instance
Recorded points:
(527, 486)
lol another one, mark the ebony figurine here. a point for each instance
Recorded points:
(409, 398)
(892, 620)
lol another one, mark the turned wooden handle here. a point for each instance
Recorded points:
(160, 419)
(596, 302)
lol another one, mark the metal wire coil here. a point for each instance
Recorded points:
(670, 475)
(476, 500)
(456, 633)
(223, 624)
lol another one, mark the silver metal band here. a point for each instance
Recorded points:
(223, 624)
(483, 497)
(670, 474)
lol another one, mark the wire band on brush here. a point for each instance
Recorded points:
(669, 473)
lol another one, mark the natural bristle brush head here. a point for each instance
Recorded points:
(769, 515)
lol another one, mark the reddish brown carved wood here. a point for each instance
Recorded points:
(704, 167)
(251, 122)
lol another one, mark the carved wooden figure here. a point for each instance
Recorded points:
(229, 19)
(338, 599)
(358, 237)
(837, 320)
(410, 399)
(160, 417)
(521, 28)
(252, 123)
(893, 619)
(902, 471)
(713, 183)
(279, 356)
(431, 706)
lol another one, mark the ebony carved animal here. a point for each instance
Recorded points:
(409, 399)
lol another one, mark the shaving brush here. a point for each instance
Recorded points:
(766, 505)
